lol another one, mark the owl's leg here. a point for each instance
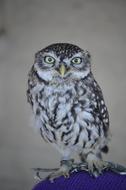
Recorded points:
(82, 157)
(66, 164)
(64, 170)
(95, 163)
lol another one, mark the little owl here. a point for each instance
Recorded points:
(68, 106)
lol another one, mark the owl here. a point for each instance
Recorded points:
(68, 106)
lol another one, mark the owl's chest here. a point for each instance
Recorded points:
(63, 109)
(60, 103)
(58, 100)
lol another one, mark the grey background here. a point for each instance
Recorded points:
(29, 25)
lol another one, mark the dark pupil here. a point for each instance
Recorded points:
(49, 59)
(76, 60)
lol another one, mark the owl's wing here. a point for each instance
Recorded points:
(31, 83)
(100, 107)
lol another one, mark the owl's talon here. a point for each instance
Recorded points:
(64, 170)
(37, 178)
(95, 165)
(66, 175)
(57, 174)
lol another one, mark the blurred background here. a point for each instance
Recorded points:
(27, 26)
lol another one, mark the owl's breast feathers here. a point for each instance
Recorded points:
(71, 114)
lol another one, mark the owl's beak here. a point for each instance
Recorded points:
(62, 70)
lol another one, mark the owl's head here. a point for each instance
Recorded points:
(62, 61)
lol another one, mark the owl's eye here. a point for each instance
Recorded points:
(49, 59)
(76, 60)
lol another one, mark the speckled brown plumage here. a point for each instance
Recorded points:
(68, 104)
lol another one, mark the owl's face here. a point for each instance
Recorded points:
(61, 62)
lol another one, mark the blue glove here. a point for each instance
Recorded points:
(83, 181)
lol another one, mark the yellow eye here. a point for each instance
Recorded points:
(49, 59)
(76, 60)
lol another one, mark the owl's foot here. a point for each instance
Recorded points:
(95, 165)
(64, 170)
